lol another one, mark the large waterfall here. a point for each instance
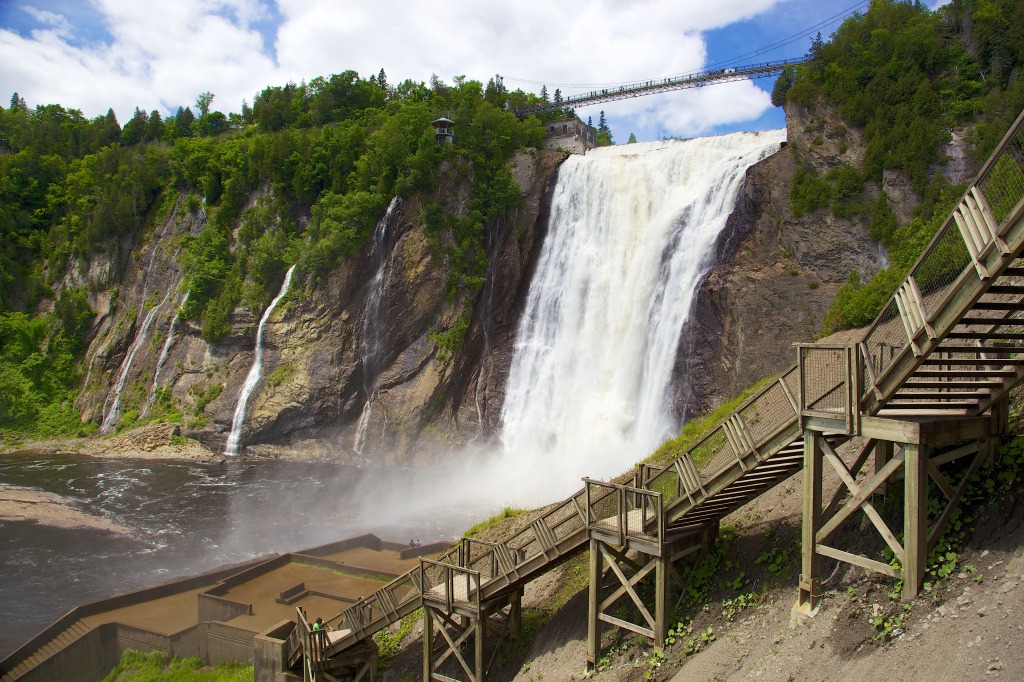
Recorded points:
(631, 233)
(255, 372)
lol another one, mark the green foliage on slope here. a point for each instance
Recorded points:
(906, 76)
(73, 190)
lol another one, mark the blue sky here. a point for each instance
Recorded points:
(161, 54)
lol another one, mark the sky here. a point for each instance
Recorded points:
(93, 55)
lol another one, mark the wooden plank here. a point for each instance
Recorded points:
(626, 625)
(629, 589)
(855, 502)
(858, 560)
(866, 506)
(940, 480)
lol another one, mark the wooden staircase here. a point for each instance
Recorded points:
(947, 346)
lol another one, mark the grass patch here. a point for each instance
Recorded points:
(506, 513)
(695, 429)
(153, 666)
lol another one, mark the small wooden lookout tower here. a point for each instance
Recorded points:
(444, 129)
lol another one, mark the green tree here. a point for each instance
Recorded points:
(203, 102)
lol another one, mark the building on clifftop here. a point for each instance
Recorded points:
(570, 134)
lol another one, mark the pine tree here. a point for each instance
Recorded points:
(544, 92)
(558, 96)
(154, 127)
(632, 138)
(602, 123)
(382, 80)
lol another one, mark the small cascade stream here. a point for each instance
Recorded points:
(375, 320)
(112, 414)
(164, 352)
(255, 371)
(632, 232)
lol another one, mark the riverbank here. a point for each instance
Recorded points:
(49, 509)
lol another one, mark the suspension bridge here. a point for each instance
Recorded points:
(688, 81)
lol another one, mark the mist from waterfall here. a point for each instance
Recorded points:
(255, 372)
(632, 231)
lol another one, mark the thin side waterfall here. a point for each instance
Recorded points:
(113, 413)
(632, 232)
(255, 371)
(164, 352)
(375, 318)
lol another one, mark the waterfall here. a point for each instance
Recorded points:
(632, 232)
(255, 372)
(164, 352)
(375, 318)
(112, 414)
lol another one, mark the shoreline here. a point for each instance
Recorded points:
(153, 442)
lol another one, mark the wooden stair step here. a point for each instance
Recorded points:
(926, 373)
(915, 383)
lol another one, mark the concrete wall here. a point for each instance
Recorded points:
(213, 608)
(227, 643)
(270, 649)
(88, 659)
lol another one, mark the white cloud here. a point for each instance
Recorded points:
(162, 55)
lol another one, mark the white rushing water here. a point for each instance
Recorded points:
(113, 413)
(255, 371)
(375, 322)
(164, 352)
(631, 233)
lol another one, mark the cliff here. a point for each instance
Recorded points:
(776, 274)
(324, 353)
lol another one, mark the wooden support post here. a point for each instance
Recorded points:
(810, 578)
(883, 454)
(428, 643)
(594, 626)
(999, 428)
(661, 574)
(515, 613)
(480, 674)
(915, 517)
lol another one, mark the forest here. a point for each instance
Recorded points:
(325, 157)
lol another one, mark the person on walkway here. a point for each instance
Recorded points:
(318, 625)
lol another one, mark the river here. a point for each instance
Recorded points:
(190, 518)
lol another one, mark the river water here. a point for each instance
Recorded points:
(190, 518)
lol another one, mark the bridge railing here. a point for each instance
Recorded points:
(626, 512)
(755, 424)
(656, 85)
(958, 250)
(450, 584)
(830, 383)
(381, 606)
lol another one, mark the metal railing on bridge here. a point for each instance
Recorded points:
(696, 79)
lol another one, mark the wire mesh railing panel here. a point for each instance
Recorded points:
(825, 380)
(940, 266)
(713, 453)
(884, 341)
(1003, 184)
(764, 415)
(667, 483)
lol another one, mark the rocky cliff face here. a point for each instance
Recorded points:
(776, 275)
(351, 365)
